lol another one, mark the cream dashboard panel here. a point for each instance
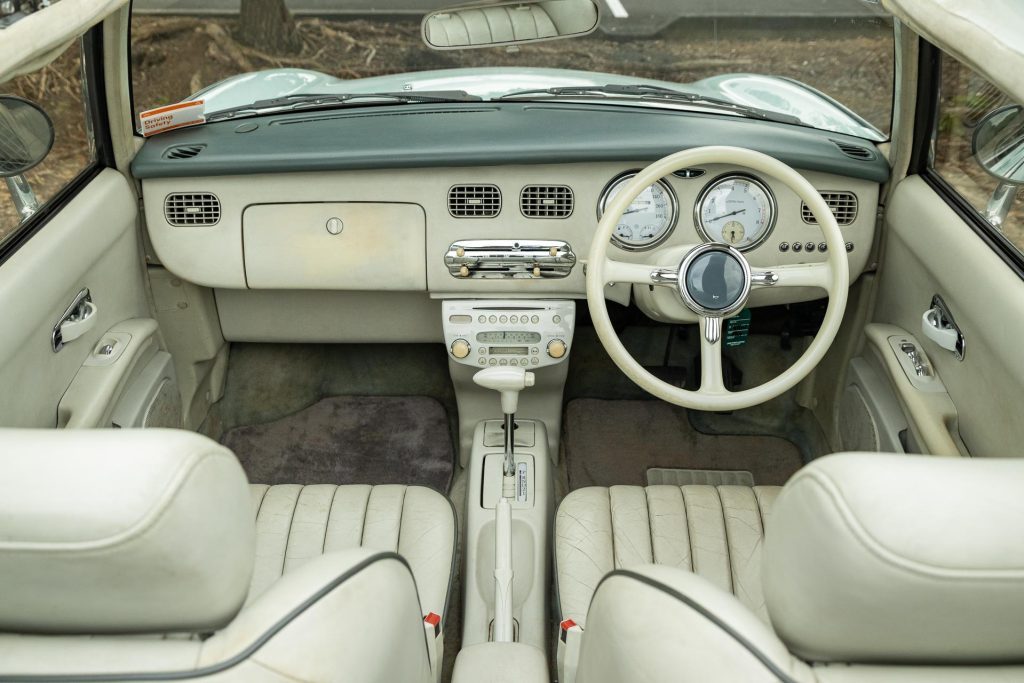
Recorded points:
(215, 255)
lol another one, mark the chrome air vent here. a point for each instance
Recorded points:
(474, 201)
(854, 151)
(184, 151)
(546, 201)
(200, 208)
(843, 206)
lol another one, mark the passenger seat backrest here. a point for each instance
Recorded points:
(121, 532)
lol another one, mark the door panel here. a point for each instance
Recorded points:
(92, 242)
(930, 250)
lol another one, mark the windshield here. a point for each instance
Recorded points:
(821, 63)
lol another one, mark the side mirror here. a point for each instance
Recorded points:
(998, 144)
(26, 135)
(508, 23)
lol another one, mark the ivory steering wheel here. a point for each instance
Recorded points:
(715, 299)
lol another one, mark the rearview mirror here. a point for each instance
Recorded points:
(26, 135)
(508, 23)
(998, 144)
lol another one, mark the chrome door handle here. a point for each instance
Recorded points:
(78, 318)
(938, 325)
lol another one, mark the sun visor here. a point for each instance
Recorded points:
(33, 42)
(987, 36)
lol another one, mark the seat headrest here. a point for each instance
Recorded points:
(121, 531)
(899, 559)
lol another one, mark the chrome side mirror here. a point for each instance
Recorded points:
(518, 22)
(26, 137)
(998, 144)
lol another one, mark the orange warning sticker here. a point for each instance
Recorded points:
(163, 119)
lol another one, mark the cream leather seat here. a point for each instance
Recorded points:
(134, 555)
(715, 531)
(875, 568)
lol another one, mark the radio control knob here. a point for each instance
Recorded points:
(463, 271)
(460, 348)
(556, 348)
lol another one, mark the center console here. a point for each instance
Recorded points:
(488, 333)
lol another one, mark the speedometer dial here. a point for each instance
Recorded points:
(737, 210)
(649, 220)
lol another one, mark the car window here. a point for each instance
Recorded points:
(59, 89)
(965, 100)
(832, 68)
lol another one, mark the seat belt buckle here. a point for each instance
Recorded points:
(570, 636)
(435, 639)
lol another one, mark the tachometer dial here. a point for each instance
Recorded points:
(736, 209)
(648, 220)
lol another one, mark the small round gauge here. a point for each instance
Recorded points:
(737, 210)
(648, 220)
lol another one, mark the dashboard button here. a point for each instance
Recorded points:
(822, 247)
(784, 246)
(503, 319)
(797, 247)
(535, 319)
(460, 348)
(849, 246)
(482, 319)
(493, 319)
(557, 319)
(809, 246)
(556, 348)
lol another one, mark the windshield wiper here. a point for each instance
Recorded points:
(650, 93)
(333, 100)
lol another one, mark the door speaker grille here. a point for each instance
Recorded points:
(546, 201)
(474, 201)
(843, 206)
(188, 209)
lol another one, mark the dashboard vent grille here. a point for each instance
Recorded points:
(843, 206)
(183, 151)
(474, 201)
(854, 151)
(200, 208)
(546, 201)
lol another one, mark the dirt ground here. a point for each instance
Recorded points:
(176, 56)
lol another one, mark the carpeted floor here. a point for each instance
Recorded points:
(614, 442)
(351, 440)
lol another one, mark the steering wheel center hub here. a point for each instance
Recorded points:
(714, 280)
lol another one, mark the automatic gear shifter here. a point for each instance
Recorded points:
(509, 382)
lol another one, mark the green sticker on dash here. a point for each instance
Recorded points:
(737, 329)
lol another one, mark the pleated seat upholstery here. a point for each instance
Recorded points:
(714, 531)
(295, 524)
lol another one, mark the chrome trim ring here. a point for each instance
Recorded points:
(772, 208)
(622, 179)
(688, 299)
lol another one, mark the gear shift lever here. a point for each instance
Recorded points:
(509, 382)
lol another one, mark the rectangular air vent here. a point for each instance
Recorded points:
(843, 206)
(546, 201)
(854, 151)
(186, 209)
(474, 201)
(183, 151)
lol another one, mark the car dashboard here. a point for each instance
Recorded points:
(299, 220)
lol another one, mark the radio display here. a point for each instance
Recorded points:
(510, 337)
(509, 350)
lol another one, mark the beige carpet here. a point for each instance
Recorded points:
(615, 442)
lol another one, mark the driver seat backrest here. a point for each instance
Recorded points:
(133, 555)
(876, 567)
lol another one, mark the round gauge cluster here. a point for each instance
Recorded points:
(737, 210)
(650, 218)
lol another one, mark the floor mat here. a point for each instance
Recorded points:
(672, 476)
(351, 440)
(616, 442)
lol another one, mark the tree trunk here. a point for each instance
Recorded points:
(267, 25)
